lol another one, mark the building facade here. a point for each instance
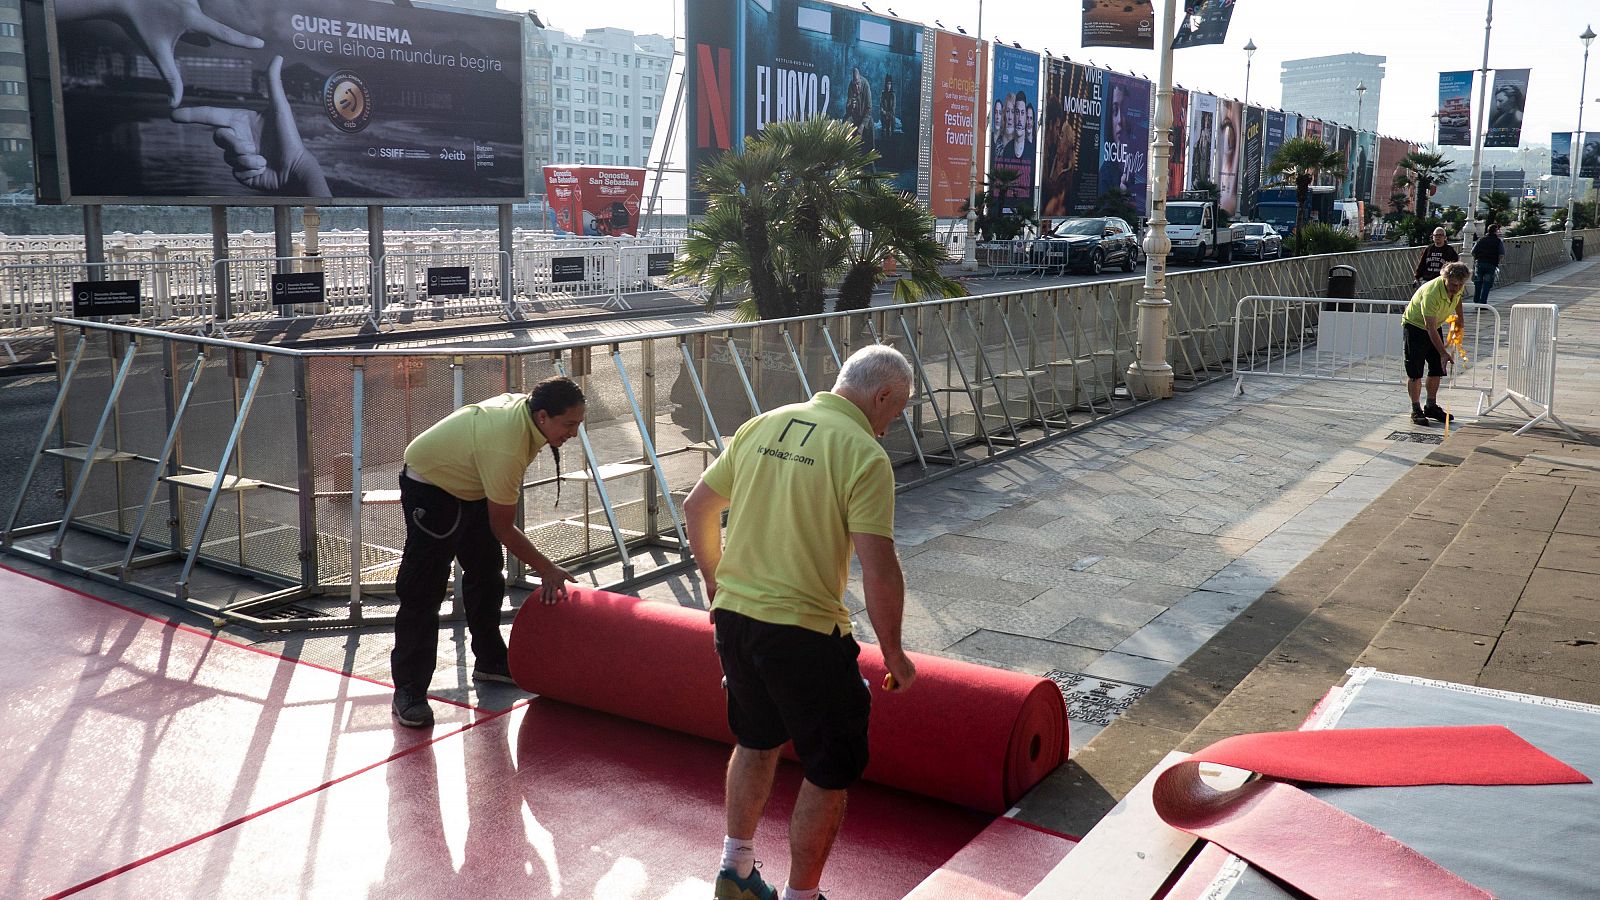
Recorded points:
(16, 138)
(607, 90)
(1324, 87)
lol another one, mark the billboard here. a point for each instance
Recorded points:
(1073, 103)
(1366, 164)
(1561, 153)
(1176, 168)
(1125, 138)
(1291, 126)
(1255, 140)
(1390, 153)
(1346, 145)
(1505, 108)
(752, 63)
(960, 72)
(1202, 139)
(1229, 151)
(1273, 141)
(1455, 109)
(1119, 23)
(594, 201)
(1204, 22)
(1015, 135)
(278, 102)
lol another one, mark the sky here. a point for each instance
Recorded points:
(1420, 38)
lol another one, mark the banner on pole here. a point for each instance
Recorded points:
(1119, 23)
(1589, 164)
(1204, 22)
(1455, 109)
(1505, 108)
(1561, 153)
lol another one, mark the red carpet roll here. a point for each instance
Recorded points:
(968, 734)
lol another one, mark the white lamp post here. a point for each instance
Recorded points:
(1150, 374)
(1572, 164)
(1361, 95)
(969, 257)
(1469, 234)
(1250, 49)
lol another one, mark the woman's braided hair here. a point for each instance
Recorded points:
(554, 396)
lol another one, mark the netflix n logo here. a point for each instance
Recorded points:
(714, 97)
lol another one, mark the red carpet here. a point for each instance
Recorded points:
(1005, 862)
(1315, 846)
(122, 735)
(969, 734)
(547, 799)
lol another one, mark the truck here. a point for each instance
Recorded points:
(1276, 207)
(1195, 231)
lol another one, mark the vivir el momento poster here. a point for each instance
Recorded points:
(1071, 181)
(286, 101)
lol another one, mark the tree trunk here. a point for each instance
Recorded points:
(1422, 198)
(856, 291)
(764, 285)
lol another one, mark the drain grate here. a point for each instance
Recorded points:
(1416, 437)
(291, 612)
(1092, 700)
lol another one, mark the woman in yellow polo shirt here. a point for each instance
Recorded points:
(1430, 307)
(460, 489)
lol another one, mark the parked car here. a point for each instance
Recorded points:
(1088, 245)
(1261, 241)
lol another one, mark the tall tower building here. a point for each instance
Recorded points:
(1325, 87)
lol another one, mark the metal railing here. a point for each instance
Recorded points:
(1531, 371)
(1357, 341)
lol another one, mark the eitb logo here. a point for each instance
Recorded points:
(347, 101)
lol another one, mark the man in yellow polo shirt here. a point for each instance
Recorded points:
(460, 489)
(802, 484)
(1433, 303)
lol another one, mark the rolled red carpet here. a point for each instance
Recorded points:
(969, 734)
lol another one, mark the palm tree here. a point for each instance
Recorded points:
(892, 227)
(1427, 170)
(1300, 161)
(781, 217)
(1496, 207)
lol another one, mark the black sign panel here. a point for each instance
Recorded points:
(449, 281)
(105, 298)
(298, 287)
(658, 264)
(565, 269)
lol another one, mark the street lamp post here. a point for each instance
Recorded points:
(1361, 96)
(1151, 374)
(1250, 49)
(1572, 165)
(1469, 233)
(969, 257)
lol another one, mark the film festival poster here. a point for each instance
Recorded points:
(1506, 104)
(1125, 138)
(1561, 153)
(1276, 121)
(1204, 22)
(1366, 164)
(1391, 151)
(1455, 109)
(1202, 140)
(1589, 162)
(802, 60)
(959, 62)
(1254, 146)
(1014, 135)
(1176, 168)
(347, 101)
(1072, 139)
(1291, 126)
(1346, 142)
(1119, 23)
(1230, 152)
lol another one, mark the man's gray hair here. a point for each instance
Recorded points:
(873, 367)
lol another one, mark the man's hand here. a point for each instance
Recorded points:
(265, 152)
(157, 26)
(552, 585)
(902, 671)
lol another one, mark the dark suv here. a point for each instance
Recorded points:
(1088, 245)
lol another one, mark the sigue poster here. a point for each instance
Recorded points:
(1125, 138)
(288, 101)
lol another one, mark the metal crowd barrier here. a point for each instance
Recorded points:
(247, 288)
(1531, 371)
(1356, 341)
(401, 284)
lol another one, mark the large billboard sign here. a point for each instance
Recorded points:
(594, 201)
(1202, 139)
(1071, 139)
(753, 63)
(1125, 138)
(960, 73)
(277, 102)
(1015, 134)
(1176, 169)
(1230, 152)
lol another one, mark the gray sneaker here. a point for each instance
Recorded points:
(412, 709)
(500, 673)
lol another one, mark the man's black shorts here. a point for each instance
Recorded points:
(790, 683)
(1419, 351)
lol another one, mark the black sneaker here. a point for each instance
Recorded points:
(411, 709)
(491, 672)
(1434, 411)
(1418, 417)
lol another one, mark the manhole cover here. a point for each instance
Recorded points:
(1416, 437)
(1092, 700)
